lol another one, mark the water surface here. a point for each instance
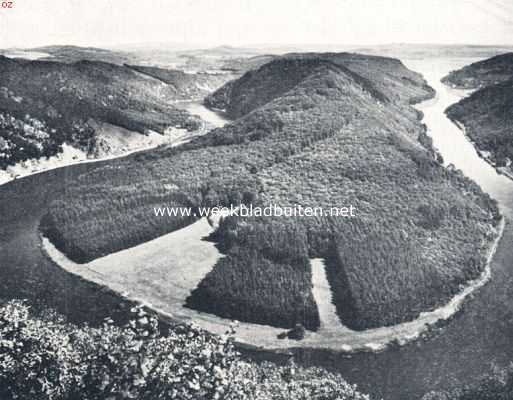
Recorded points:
(477, 338)
(213, 117)
(481, 335)
(448, 138)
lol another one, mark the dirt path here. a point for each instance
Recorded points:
(330, 322)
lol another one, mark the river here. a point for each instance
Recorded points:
(479, 337)
(125, 141)
(214, 118)
(448, 138)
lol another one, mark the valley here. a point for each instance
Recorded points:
(133, 109)
(442, 355)
(253, 178)
(61, 134)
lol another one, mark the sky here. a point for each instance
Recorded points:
(31, 23)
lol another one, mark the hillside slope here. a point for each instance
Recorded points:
(483, 73)
(186, 86)
(487, 114)
(72, 54)
(44, 104)
(328, 137)
(378, 75)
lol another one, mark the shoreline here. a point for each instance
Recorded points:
(262, 337)
(63, 163)
(500, 170)
(469, 91)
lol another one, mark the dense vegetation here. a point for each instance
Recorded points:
(487, 113)
(256, 88)
(263, 262)
(46, 358)
(44, 104)
(496, 385)
(482, 73)
(342, 134)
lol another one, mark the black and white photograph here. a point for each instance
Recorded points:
(256, 199)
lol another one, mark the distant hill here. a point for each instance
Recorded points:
(483, 73)
(434, 51)
(187, 86)
(222, 58)
(277, 77)
(388, 75)
(46, 103)
(243, 64)
(488, 113)
(71, 54)
(217, 59)
(257, 88)
(319, 130)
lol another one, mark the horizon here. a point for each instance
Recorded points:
(242, 23)
(252, 46)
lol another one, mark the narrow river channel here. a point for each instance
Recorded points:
(214, 118)
(479, 336)
(448, 138)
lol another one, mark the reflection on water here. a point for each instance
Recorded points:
(215, 118)
(449, 139)
(481, 334)
(26, 54)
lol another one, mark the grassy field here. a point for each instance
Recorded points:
(334, 138)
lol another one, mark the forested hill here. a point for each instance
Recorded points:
(45, 103)
(389, 75)
(487, 114)
(376, 75)
(327, 136)
(483, 73)
(488, 119)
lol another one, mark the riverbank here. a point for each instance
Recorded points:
(506, 171)
(128, 279)
(451, 356)
(153, 274)
(72, 156)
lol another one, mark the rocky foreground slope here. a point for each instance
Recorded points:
(487, 114)
(319, 130)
